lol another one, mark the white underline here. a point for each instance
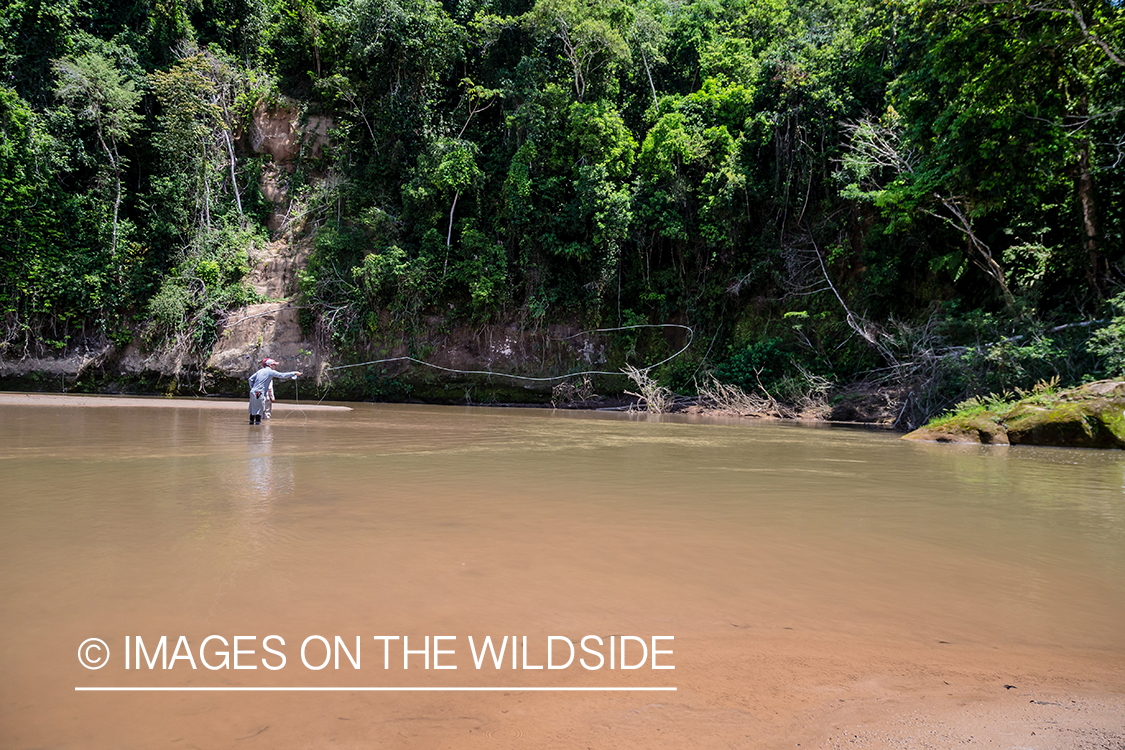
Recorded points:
(371, 689)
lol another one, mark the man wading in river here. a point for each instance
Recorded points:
(261, 383)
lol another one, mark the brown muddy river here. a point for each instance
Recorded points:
(822, 587)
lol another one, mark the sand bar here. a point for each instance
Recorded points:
(66, 399)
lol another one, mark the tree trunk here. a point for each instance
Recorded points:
(1095, 269)
(983, 256)
(206, 203)
(449, 234)
(117, 195)
(651, 85)
(233, 181)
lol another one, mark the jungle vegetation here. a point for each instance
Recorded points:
(928, 193)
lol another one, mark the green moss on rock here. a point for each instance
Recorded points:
(1090, 416)
(1083, 424)
(975, 428)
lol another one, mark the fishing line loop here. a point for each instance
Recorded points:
(415, 360)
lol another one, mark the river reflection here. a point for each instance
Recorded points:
(796, 567)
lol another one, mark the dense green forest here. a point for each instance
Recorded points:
(922, 193)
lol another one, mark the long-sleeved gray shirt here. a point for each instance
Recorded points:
(260, 386)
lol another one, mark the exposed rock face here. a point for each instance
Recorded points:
(276, 266)
(71, 366)
(266, 330)
(272, 329)
(1090, 416)
(468, 363)
(279, 133)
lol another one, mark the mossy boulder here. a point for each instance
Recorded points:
(974, 428)
(1080, 419)
(1090, 416)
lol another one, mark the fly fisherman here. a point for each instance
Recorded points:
(261, 386)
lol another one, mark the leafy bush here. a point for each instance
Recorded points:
(1109, 342)
(757, 364)
(168, 308)
(191, 301)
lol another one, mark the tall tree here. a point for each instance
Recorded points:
(592, 34)
(197, 97)
(98, 91)
(989, 91)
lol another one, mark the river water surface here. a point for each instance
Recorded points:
(820, 584)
